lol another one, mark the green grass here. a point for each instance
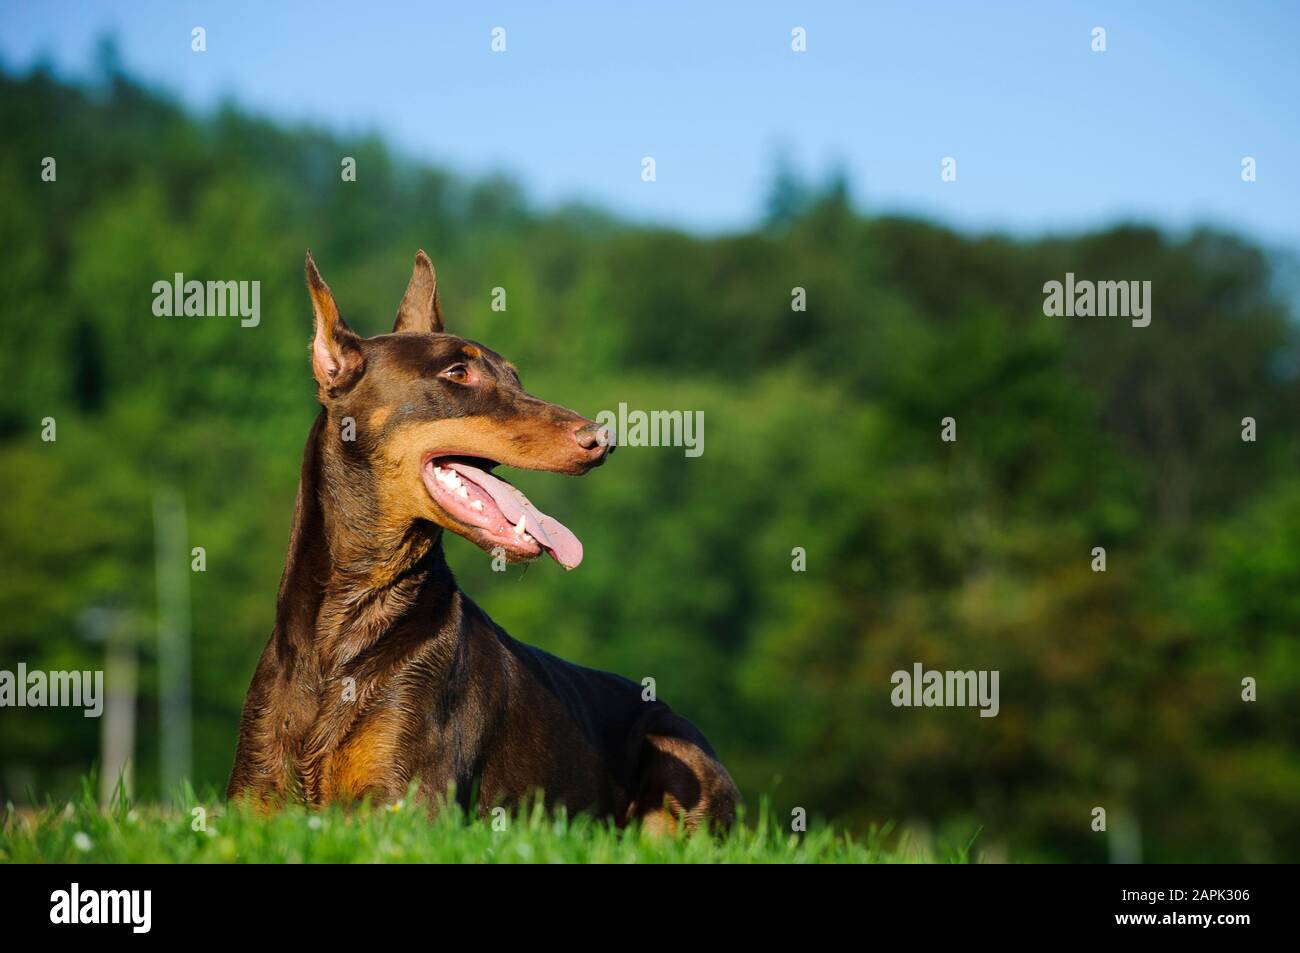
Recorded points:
(84, 832)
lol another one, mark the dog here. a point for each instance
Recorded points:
(380, 672)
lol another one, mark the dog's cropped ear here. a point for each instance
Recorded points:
(336, 357)
(419, 310)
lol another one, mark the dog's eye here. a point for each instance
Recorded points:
(457, 372)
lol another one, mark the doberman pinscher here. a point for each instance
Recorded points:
(380, 672)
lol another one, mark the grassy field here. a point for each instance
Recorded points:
(84, 832)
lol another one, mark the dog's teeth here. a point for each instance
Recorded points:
(462, 491)
(520, 528)
(477, 505)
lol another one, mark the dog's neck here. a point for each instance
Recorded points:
(349, 579)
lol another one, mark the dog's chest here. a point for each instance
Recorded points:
(372, 759)
(375, 740)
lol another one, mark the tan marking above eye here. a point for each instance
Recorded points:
(470, 351)
(380, 417)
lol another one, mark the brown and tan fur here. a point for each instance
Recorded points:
(380, 672)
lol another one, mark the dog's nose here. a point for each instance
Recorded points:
(596, 440)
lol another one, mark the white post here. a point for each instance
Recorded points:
(172, 560)
(117, 630)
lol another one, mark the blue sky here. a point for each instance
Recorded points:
(1047, 134)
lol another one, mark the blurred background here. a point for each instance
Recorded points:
(522, 169)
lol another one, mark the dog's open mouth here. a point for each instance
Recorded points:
(496, 512)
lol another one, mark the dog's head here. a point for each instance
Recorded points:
(429, 415)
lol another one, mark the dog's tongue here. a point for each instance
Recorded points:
(556, 538)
